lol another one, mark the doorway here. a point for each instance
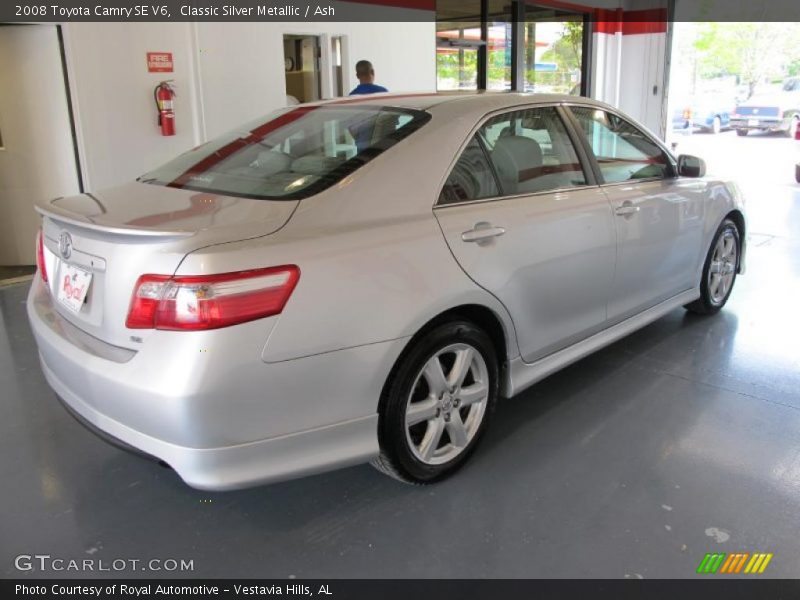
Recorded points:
(37, 157)
(302, 63)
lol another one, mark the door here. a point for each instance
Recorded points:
(301, 54)
(658, 219)
(37, 159)
(525, 223)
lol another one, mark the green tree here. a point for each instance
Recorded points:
(751, 51)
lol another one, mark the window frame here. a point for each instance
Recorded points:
(584, 159)
(672, 163)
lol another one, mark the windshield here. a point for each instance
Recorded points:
(292, 153)
(791, 85)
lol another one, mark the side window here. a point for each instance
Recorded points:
(531, 151)
(471, 178)
(623, 152)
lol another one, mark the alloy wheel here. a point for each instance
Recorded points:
(447, 404)
(722, 270)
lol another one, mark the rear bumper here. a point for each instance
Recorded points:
(248, 424)
(244, 465)
(761, 124)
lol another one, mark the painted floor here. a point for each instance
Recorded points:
(677, 441)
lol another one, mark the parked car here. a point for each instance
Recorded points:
(361, 279)
(778, 111)
(711, 114)
(797, 166)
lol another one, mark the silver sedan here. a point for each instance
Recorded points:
(361, 279)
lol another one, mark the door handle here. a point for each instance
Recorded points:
(626, 210)
(482, 233)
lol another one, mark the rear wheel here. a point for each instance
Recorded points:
(437, 403)
(719, 271)
(742, 132)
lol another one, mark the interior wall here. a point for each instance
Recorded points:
(630, 62)
(404, 56)
(113, 101)
(225, 74)
(37, 160)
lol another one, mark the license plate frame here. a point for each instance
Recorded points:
(73, 287)
(752, 122)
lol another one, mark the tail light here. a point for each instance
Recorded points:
(210, 301)
(687, 113)
(40, 256)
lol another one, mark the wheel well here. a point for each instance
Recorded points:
(738, 219)
(481, 316)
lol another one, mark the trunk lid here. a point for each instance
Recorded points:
(124, 232)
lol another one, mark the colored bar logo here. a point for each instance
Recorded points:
(735, 563)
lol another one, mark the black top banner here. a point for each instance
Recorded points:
(320, 11)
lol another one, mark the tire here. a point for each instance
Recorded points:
(716, 126)
(719, 270)
(409, 452)
(792, 131)
(797, 172)
(742, 132)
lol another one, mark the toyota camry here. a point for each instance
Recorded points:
(360, 280)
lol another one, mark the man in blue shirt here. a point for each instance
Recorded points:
(366, 77)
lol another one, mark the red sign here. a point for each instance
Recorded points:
(159, 62)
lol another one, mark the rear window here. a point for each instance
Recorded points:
(291, 154)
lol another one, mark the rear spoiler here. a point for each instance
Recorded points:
(62, 215)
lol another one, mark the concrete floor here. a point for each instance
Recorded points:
(681, 439)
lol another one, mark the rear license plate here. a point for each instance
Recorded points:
(752, 123)
(73, 287)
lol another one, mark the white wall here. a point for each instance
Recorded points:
(643, 79)
(38, 160)
(629, 70)
(404, 56)
(113, 101)
(225, 74)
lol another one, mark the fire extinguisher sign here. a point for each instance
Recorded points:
(159, 62)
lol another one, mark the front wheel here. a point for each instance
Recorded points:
(437, 404)
(793, 126)
(719, 271)
(716, 126)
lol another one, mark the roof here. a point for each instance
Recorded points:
(481, 101)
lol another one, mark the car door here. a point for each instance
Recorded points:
(658, 217)
(526, 222)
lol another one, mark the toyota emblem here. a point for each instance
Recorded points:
(65, 244)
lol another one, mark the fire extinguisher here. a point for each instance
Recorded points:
(163, 94)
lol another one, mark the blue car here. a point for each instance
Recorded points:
(707, 114)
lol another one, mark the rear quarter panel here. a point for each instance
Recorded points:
(374, 263)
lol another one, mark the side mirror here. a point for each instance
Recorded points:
(691, 166)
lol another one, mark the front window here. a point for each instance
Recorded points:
(623, 152)
(292, 154)
(531, 151)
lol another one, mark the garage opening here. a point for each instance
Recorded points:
(734, 91)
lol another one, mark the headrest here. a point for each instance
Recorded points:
(513, 155)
